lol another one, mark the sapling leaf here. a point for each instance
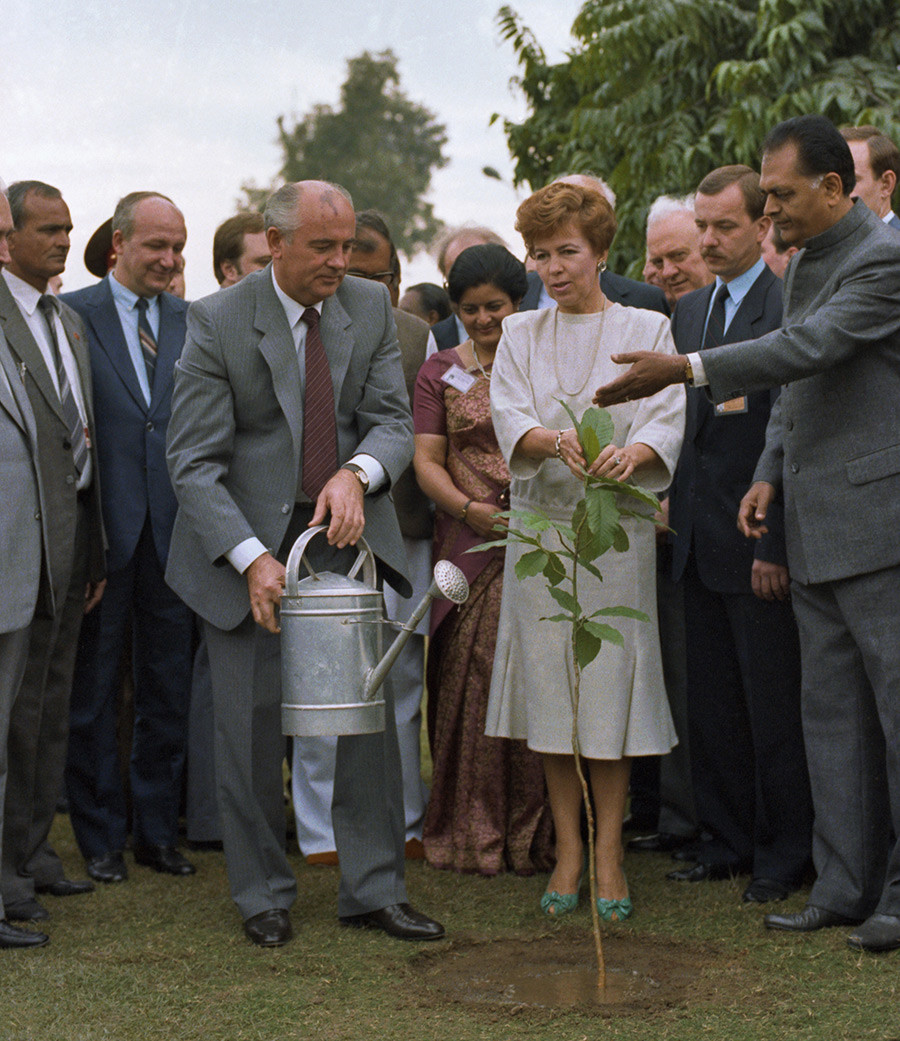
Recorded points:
(530, 564)
(558, 618)
(565, 600)
(587, 646)
(597, 430)
(603, 515)
(621, 612)
(605, 632)
(620, 540)
(554, 571)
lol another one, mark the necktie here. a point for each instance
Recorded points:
(319, 428)
(148, 340)
(715, 327)
(47, 306)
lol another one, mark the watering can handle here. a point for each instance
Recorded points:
(365, 559)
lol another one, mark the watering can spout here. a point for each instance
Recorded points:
(449, 583)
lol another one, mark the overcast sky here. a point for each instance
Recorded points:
(101, 99)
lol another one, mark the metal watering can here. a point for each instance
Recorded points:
(332, 663)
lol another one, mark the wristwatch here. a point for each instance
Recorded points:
(359, 473)
(688, 372)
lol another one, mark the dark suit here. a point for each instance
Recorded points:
(138, 510)
(743, 663)
(446, 333)
(38, 727)
(616, 288)
(235, 454)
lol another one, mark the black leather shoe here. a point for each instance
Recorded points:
(26, 911)
(66, 887)
(269, 928)
(879, 932)
(12, 936)
(658, 842)
(108, 868)
(701, 873)
(807, 920)
(764, 890)
(165, 859)
(398, 920)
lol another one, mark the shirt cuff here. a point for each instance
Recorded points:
(699, 372)
(244, 553)
(374, 470)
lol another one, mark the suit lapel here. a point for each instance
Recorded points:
(337, 340)
(12, 401)
(104, 320)
(24, 346)
(169, 344)
(750, 311)
(277, 348)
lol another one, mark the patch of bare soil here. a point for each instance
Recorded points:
(643, 973)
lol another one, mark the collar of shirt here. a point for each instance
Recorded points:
(293, 311)
(888, 217)
(738, 288)
(25, 295)
(126, 301)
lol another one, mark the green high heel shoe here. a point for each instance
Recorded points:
(615, 910)
(554, 904)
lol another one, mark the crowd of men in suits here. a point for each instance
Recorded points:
(158, 461)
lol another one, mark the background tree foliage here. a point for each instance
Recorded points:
(378, 144)
(656, 93)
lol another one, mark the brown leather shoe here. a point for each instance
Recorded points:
(414, 849)
(270, 928)
(327, 859)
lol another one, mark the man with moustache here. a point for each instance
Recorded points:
(48, 343)
(136, 332)
(832, 447)
(750, 781)
(290, 411)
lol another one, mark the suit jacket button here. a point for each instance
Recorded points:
(70, 479)
(149, 426)
(286, 508)
(37, 515)
(67, 444)
(795, 469)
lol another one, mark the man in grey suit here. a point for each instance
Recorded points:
(833, 447)
(289, 408)
(48, 344)
(21, 553)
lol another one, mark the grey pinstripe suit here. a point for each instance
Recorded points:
(235, 446)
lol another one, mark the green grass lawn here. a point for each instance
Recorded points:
(165, 958)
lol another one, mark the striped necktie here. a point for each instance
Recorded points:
(77, 436)
(148, 340)
(715, 326)
(319, 427)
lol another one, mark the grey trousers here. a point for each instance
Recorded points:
(850, 649)
(367, 810)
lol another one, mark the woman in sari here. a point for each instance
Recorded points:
(487, 810)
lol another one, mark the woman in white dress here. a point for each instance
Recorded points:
(564, 353)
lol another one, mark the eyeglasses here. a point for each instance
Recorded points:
(376, 276)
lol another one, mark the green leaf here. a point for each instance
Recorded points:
(590, 445)
(622, 612)
(587, 646)
(565, 600)
(603, 517)
(597, 428)
(558, 618)
(605, 632)
(531, 564)
(554, 572)
(620, 540)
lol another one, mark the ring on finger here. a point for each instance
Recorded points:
(617, 460)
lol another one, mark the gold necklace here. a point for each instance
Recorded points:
(575, 392)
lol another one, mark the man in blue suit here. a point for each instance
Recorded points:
(136, 333)
(751, 786)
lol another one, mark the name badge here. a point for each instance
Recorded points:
(459, 378)
(734, 407)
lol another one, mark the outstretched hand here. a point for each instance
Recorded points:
(650, 372)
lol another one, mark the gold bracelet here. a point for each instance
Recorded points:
(688, 371)
(465, 510)
(559, 435)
